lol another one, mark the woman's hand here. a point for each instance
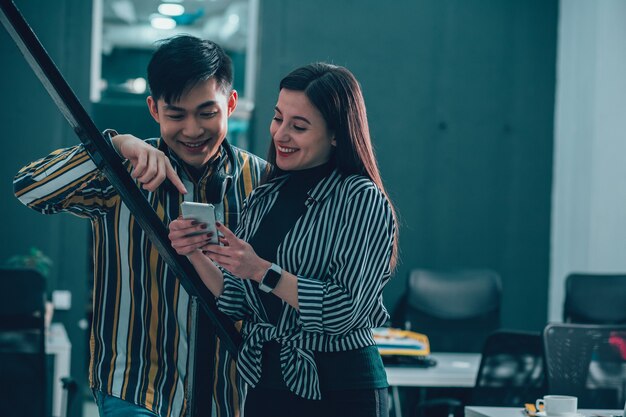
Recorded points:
(186, 242)
(237, 256)
(188, 236)
(150, 165)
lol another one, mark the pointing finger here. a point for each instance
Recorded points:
(173, 177)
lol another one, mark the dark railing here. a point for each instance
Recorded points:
(107, 160)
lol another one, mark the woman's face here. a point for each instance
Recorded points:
(299, 133)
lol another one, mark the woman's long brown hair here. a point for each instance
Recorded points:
(336, 93)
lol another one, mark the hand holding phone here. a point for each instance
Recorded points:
(202, 213)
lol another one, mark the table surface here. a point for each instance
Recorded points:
(452, 370)
(472, 411)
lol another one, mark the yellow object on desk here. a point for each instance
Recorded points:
(391, 341)
(531, 410)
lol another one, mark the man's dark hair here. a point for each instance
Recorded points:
(183, 61)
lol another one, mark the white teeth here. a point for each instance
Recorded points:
(286, 150)
(194, 145)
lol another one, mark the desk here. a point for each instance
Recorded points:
(473, 411)
(58, 345)
(453, 370)
(457, 370)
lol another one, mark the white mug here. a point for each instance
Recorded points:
(558, 405)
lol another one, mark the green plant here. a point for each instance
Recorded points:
(35, 259)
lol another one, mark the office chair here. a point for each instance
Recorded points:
(456, 309)
(588, 361)
(23, 376)
(595, 299)
(511, 373)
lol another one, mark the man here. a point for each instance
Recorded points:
(148, 333)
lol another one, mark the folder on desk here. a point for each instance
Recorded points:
(402, 346)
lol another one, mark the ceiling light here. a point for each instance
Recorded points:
(169, 9)
(137, 85)
(162, 22)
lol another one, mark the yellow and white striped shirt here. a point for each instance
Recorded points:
(142, 316)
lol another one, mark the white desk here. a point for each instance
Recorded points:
(472, 411)
(453, 370)
(58, 344)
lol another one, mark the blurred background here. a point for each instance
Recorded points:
(498, 125)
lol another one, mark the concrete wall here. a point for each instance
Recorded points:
(460, 100)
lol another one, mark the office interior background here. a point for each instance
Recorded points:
(498, 126)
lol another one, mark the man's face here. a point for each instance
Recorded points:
(195, 126)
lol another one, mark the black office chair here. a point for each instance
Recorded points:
(511, 373)
(456, 309)
(588, 361)
(595, 299)
(23, 376)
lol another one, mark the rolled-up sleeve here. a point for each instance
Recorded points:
(67, 180)
(232, 301)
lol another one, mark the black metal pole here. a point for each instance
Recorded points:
(107, 160)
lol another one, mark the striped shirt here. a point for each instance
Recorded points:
(142, 317)
(340, 250)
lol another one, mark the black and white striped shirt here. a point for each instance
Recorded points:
(340, 250)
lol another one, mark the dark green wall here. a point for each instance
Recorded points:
(460, 98)
(32, 127)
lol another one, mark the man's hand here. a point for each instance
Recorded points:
(150, 165)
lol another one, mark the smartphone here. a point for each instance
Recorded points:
(203, 213)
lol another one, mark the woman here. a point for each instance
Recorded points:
(306, 269)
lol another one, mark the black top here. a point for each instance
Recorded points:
(288, 208)
(355, 369)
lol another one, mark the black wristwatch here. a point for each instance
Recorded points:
(110, 134)
(271, 278)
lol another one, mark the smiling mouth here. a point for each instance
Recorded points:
(285, 150)
(194, 145)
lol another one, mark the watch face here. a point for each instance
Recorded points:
(271, 278)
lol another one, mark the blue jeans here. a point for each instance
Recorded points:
(109, 406)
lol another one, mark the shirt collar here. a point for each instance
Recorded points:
(316, 195)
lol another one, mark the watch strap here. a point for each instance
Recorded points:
(271, 278)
